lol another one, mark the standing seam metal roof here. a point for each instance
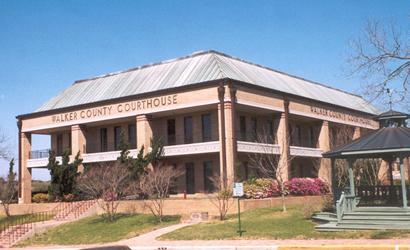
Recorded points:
(194, 69)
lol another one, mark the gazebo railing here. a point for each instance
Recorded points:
(381, 194)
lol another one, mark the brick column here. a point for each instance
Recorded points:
(24, 171)
(283, 142)
(230, 138)
(324, 145)
(357, 133)
(78, 142)
(221, 131)
(144, 132)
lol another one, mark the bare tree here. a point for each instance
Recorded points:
(222, 199)
(8, 189)
(382, 57)
(156, 184)
(269, 163)
(108, 183)
(4, 145)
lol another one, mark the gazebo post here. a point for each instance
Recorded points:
(403, 183)
(391, 172)
(350, 162)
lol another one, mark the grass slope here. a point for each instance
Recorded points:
(96, 230)
(270, 224)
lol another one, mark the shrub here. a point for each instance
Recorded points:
(69, 197)
(40, 198)
(306, 186)
(310, 208)
(261, 188)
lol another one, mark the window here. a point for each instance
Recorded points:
(270, 137)
(59, 144)
(190, 178)
(206, 127)
(132, 138)
(298, 134)
(171, 131)
(103, 139)
(242, 128)
(312, 137)
(254, 127)
(188, 130)
(209, 187)
(117, 137)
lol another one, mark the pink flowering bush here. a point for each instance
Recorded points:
(261, 188)
(265, 188)
(306, 186)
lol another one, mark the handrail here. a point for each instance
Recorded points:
(345, 204)
(21, 224)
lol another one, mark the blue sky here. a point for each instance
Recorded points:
(46, 45)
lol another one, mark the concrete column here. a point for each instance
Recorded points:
(284, 143)
(144, 132)
(357, 133)
(221, 131)
(25, 172)
(78, 142)
(230, 137)
(324, 145)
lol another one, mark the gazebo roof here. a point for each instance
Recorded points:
(384, 142)
(391, 114)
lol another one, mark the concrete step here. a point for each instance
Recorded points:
(376, 218)
(373, 222)
(345, 227)
(382, 209)
(393, 214)
(325, 216)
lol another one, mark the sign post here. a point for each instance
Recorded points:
(238, 192)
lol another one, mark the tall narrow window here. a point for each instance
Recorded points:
(206, 127)
(298, 134)
(103, 139)
(132, 138)
(59, 144)
(254, 127)
(312, 137)
(190, 178)
(270, 137)
(117, 137)
(242, 128)
(188, 130)
(209, 187)
(171, 131)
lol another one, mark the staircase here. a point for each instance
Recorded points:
(65, 211)
(72, 210)
(366, 218)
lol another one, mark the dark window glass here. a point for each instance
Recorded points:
(103, 139)
(209, 187)
(190, 178)
(171, 131)
(242, 128)
(59, 144)
(188, 130)
(254, 127)
(312, 137)
(117, 137)
(269, 132)
(298, 134)
(291, 135)
(206, 127)
(132, 138)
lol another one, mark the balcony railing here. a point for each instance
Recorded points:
(38, 154)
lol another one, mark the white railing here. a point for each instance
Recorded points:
(259, 148)
(304, 151)
(345, 204)
(174, 150)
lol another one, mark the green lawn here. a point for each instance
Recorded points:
(96, 230)
(270, 224)
(20, 219)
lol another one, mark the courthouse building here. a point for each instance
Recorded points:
(208, 108)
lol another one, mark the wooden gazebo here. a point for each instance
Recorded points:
(390, 143)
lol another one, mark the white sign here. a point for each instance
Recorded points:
(238, 189)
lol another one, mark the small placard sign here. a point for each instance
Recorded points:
(238, 189)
